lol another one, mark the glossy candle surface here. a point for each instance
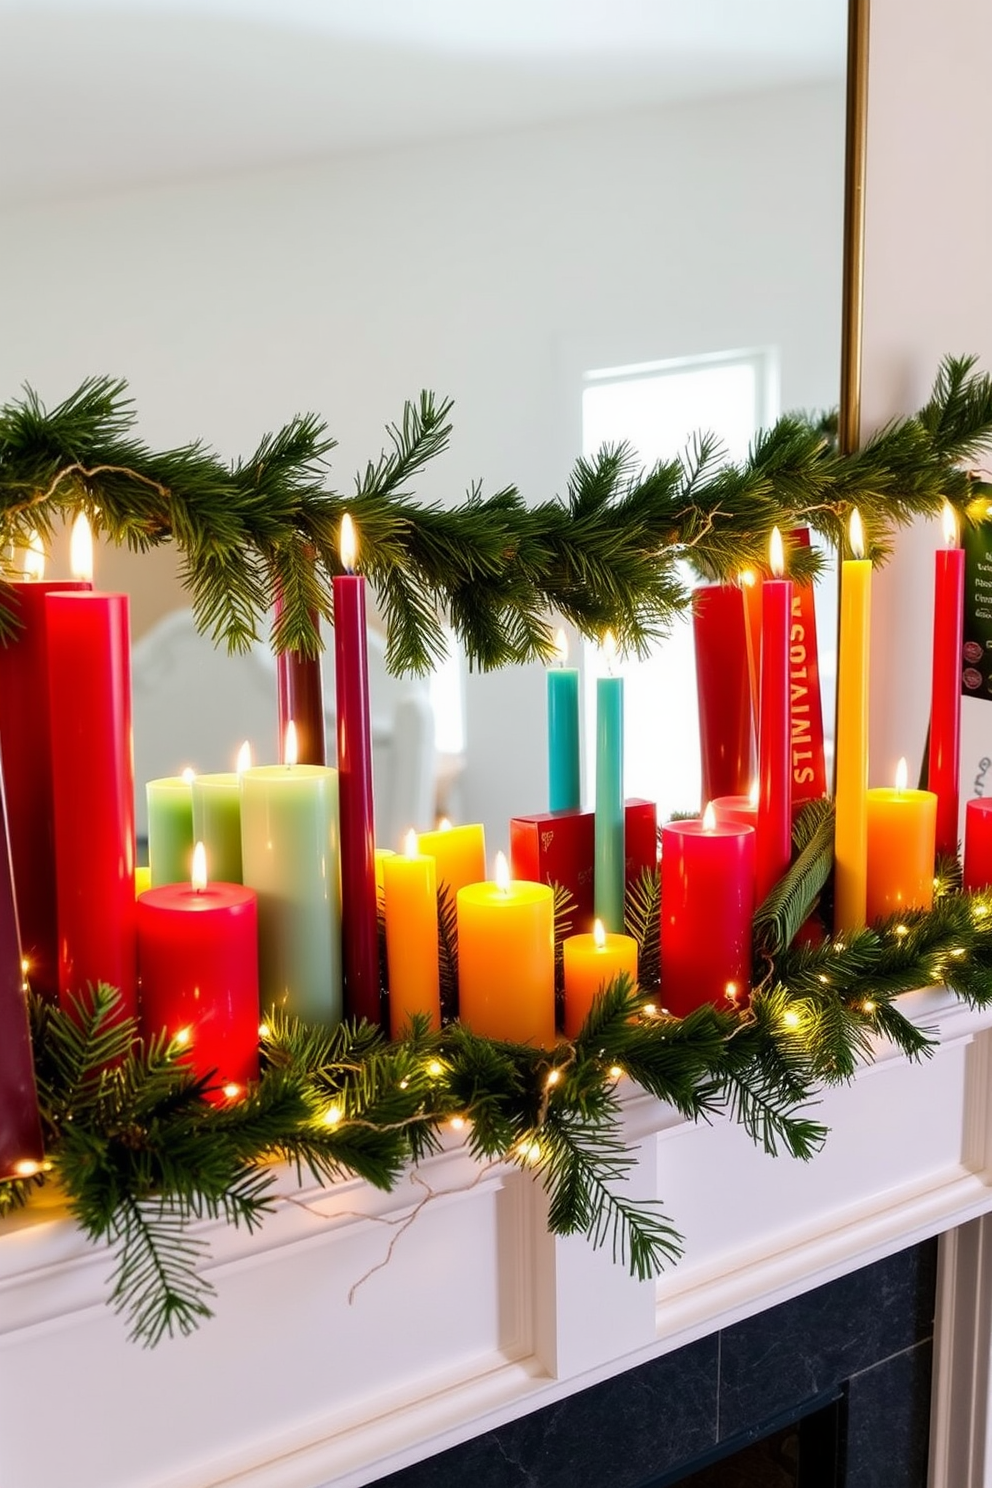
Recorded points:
(723, 690)
(901, 831)
(977, 845)
(361, 932)
(851, 831)
(217, 823)
(740, 809)
(506, 961)
(170, 829)
(564, 791)
(289, 842)
(460, 854)
(409, 891)
(21, 1149)
(198, 964)
(944, 761)
(707, 903)
(773, 845)
(609, 853)
(93, 789)
(590, 964)
(26, 753)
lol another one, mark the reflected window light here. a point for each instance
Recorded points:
(447, 695)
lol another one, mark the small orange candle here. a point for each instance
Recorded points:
(902, 826)
(460, 853)
(506, 959)
(409, 891)
(591, 962)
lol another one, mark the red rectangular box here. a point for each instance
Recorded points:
(558, 847)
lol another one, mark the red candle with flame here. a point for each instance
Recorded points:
(198, 962)
(707, 902)
(89, 674)
(774, 841)
(360, 933)
(26, 751)
(944, 770)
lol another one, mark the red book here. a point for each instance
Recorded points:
(557, 847)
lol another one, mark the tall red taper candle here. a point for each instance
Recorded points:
(723, 690)
(21, 1150)
(944, 771)
(774, 830)
(89, 674)
(359, 926)
(300, 697)
(25, 744)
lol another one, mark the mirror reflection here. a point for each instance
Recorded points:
(582, 221)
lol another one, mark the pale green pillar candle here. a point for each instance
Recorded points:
(609, 862)
(170, 829)
(217, 824)
(290, 856)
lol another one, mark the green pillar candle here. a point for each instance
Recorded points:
(563, 734)
(217, 824)
(170, 829)
(290, 855)
(608, 867)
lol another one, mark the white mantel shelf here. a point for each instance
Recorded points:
(479, 1315)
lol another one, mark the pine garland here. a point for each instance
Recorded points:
(604, 556)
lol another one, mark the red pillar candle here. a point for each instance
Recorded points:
(707, 903)
(774, 840)
(26, 749)
(978, 844)
(89, 679)
(360, 945)
(21, 1150)
(944, 770)
(300, 698)
(198, 964)
(723, 690)
(740, 809)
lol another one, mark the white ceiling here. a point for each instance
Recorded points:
(100, 96)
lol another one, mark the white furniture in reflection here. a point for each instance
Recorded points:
(194, 704)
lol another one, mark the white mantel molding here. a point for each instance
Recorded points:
(479, 1315)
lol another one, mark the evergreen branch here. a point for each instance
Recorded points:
(787, 907)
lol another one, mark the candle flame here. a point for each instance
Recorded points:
(34, 557)
(81, 549)
(754, 793)
(709, 818)
(748, 577)
(599, 935)
(348, 544)
(950, 522)
(188, 775)
(776, 554)
(561, 646)
(857, 534)
(244, 758)
(411, 845)
(902, 775)
(198, 876)
(290, 748)
(502, 874)
(444, 825)
(609, 649)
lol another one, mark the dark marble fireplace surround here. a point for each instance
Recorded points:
(870, 1333)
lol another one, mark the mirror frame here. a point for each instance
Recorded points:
(852, 293)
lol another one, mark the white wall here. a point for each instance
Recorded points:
(493, 270)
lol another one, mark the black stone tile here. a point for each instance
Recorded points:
(888, 1422)
(621, 1432)
(795, 1351)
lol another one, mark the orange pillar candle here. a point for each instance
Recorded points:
(460, 854)
(902, 828)
(851, 808)
(591, 962)
(506, 959)
(409, 891)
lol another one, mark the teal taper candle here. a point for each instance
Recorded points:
(608, 869)
(563, 733)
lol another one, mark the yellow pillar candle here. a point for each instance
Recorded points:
(902, 830)
(409, 891)
(851, 806)
(591, 962)
(506, 959)
(460, 853)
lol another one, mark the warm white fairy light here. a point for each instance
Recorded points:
(264, 1030)
(553, 1077)
(868, 1006)
(332, 1116)
(232, 1091)
(790, 1018)
(616, 1073)
(27, 1167)
(435, 1068)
